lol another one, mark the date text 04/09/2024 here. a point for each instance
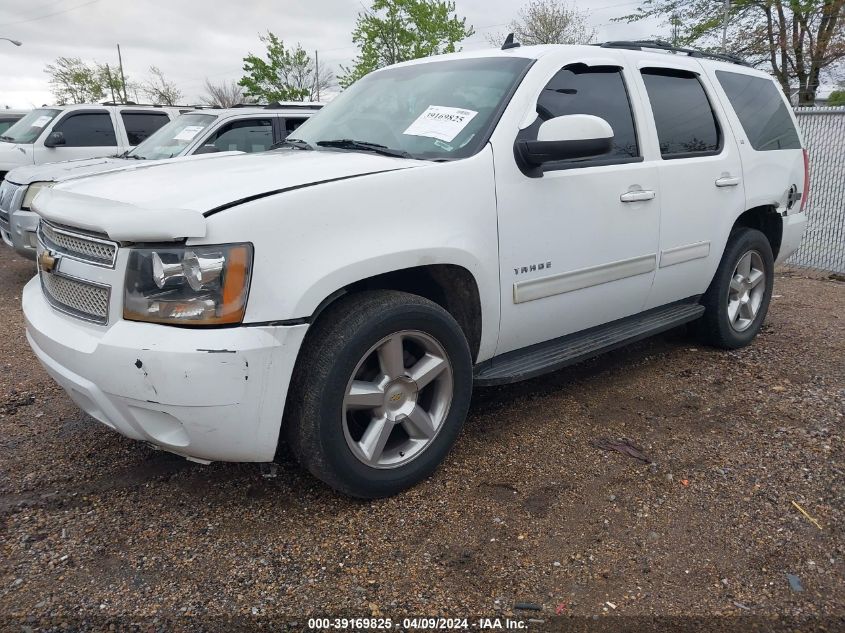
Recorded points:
(417, 623)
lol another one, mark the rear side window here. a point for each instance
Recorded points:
(139, 125)
(761, 111)
(686, 125)
(596, 90)
(87, 129)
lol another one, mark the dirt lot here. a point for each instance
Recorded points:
(526, 509)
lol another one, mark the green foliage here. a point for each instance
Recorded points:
(796, 39)
(286, 74)
(394, 31)
(73, 80)
(836, 98)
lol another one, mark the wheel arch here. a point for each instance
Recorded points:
(765, 219)
(451, 286)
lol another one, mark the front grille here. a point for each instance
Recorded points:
(9, 201)
(76, 245)
(75, 297)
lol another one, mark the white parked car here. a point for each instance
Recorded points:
(481, 217)
(51, 134)
(208, 131)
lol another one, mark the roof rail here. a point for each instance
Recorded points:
(146, 105)
(639, 45)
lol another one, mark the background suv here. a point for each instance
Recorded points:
(206, 131)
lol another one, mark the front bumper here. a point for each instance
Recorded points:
(22, 232)
(794, 226)
(207, 394)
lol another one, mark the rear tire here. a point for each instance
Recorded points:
(738, 298)
(380, 393)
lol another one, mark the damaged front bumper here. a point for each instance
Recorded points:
(206, 394)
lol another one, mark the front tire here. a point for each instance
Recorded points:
(380, 393)
(738, 298)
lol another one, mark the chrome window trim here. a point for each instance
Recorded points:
(51, 246)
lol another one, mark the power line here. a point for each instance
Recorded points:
(48, 15)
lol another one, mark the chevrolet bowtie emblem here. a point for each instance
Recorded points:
(47, 261)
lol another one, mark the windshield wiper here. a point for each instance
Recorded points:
(293, 142)
(6, 138)
(348, 143)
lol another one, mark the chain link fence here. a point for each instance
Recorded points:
(823, 247)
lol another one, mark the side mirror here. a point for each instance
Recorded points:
(54, 139)
(206, 149)
(565, 138)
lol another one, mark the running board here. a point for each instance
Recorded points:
(553, 355)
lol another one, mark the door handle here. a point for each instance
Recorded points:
(638, 195)
(727, 181)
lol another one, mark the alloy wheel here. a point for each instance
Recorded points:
(397, 399)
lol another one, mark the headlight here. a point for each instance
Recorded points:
(190, 285)
(32, 191)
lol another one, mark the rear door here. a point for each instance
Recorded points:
(701, 181)
(88, 133)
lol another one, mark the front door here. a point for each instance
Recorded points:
(87, 134)
(578, 246)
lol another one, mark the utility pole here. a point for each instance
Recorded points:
(317, 72)
(111, 83)
(122, 77)
(725, 26)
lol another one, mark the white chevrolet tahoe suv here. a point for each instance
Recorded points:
(480, 217)
(209, 131)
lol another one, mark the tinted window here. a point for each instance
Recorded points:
(249, 135)
(290, 124)
(596, 90)
(87, 130)
(139, 125)
(685, 121)
(761, 110)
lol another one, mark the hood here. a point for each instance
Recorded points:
(168, 200)
(69, 169)
(56, 172)
(15, 154)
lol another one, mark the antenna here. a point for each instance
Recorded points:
(509, 43)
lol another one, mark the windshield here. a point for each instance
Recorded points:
(434, 110)
(30, 127)
(172, 139)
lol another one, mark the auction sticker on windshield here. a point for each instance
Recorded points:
(41, 121)
(441, 122)
(188, 133)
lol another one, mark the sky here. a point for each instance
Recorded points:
(190, 40)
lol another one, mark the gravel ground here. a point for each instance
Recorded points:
(96, 527)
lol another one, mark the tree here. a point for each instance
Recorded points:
(549, 22)
(797, 39)
(286, 74)
(159, 90)
(74, 81)
(836, 98)
(393, 31)
(225, 94)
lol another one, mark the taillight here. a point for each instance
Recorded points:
(806, 193)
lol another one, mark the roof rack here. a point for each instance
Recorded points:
(638, 45)
(146, 105)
